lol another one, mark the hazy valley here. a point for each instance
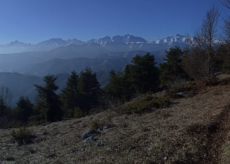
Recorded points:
(57, 56)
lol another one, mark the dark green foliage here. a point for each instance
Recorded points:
(2, 106)
(78, 113)
(39, 114)
(51, 103)
(95, 125)
(23, 136)
(145, 104)
(141, 76)
(5, 98)
(25, 109)
(71, 95)
(89, 88)
(187, 89)
(117, 88)
(142, 73)
(172, 69)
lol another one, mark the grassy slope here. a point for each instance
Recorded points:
(182, 133)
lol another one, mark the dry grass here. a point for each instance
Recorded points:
(178, 134)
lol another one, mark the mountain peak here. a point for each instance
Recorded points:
(119, 39)
(179, 35)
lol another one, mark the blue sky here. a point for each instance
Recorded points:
(37, 20)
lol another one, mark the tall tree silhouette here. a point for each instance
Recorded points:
(25, 109)
(172, 69)
(89, 89)
(47, 93)
(200, 59)
(142, 73)
(71, 95)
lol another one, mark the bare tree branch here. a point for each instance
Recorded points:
(200, 59)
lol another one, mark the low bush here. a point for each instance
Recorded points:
(23, 136)
(95, 125)
(187, 88)
(145, 103)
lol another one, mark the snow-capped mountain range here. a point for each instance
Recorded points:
(129, 41)
(17, 46)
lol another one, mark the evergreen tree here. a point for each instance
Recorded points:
(142, 73)
(172, 68)
(89, 88)
(25, 109)
(47, 93)
(70, 95)
(117, 88)
(2, 106)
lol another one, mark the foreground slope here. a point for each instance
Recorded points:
(187, 132)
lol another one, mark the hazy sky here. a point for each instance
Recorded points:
(37, 20)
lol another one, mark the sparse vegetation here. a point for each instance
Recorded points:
(146, 103)
(95, 125)
(23, 136)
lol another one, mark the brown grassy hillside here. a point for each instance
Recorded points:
(191, 130)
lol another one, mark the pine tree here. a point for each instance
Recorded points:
(70, 95)
(142, 73)
(89, 88)
(117, 88)
(25, 109)
(2, 106)
(172, 68)
(47, 93)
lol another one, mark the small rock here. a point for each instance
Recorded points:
(131, 148)
(105, 127)
(75, 150)
(83, 149)
(180, 93)
(165, 158)
(217, 73)
(100, 144)
(90, 140)
(90, 134)
(99, 129)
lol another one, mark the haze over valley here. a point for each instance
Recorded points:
(29, 63)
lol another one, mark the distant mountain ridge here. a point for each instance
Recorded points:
(130, 40)
(18, 47)
(121, 39)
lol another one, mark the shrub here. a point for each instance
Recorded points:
(78, 113)
(145, 103)
(23, 136)
(187, 88)
(95, 125)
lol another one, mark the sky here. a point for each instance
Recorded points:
(33, 21)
